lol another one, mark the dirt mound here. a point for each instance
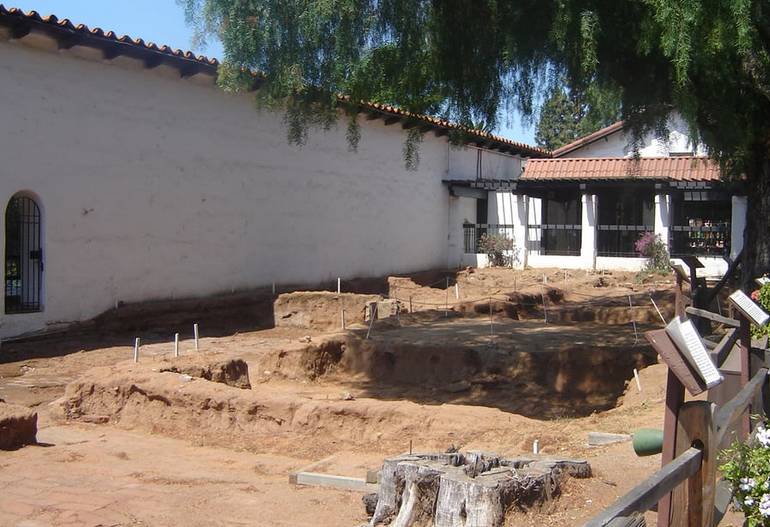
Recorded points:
(320, 310)
(18, 426)
(218, 414)
(232, 372)
(653, 381)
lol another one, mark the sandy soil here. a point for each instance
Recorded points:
(144, 471)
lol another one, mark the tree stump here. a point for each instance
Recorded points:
(471, 489)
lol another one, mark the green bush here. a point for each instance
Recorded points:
(495, 246)
(651, 246)
(747, 468)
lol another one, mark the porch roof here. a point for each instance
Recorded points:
(695, 169)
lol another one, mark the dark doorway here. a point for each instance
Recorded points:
(23, 256)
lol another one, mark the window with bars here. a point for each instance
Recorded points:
(23, 256)
(623, 217)
(701, 225)
(561, 224)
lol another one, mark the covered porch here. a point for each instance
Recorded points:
(589, 213)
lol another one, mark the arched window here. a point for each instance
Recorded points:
(23, 256)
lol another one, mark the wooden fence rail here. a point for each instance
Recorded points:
(703, 502)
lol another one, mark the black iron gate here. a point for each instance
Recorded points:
(23, 256)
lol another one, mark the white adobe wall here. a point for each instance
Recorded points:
(494, 165)
(619, 144)
(155, 187)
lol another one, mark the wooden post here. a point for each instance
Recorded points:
(693, 504)
(744, 341)
(674, 400)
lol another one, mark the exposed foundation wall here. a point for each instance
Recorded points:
(156, 187)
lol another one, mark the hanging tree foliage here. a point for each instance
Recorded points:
(475, 61)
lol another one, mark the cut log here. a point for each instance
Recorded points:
(465, 489)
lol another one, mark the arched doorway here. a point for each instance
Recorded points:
(23, 256)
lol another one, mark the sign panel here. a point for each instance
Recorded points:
(749, 308)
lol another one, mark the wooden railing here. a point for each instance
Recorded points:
(703, 502)
(686, 488)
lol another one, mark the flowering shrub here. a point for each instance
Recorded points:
(652, 247)
(747, 468)
(762, 297)
(495, 246)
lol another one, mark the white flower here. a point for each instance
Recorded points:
(747, 484)
(763, 436)
(764, 505)
(749, 501)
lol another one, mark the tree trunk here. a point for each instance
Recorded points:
(465, 490)
(756, 237)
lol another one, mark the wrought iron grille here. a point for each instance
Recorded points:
(23, 256)
(711, 239)
(472, 233)
(559, 239)
(619, 240)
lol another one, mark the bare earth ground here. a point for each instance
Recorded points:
(151, 473)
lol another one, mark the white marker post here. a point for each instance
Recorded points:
(137, 343)
(446, 300)
(658, 310)
(339, 285)
(176, 344)
(633, 321)
(491, 321)
(638, 382)
(536, 446)
(457, 291)
(195, 332)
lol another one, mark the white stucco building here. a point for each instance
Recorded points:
(128, 176)
(585, 206)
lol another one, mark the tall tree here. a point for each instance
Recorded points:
(467, 61)
(566, 116)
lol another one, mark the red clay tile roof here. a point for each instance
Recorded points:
(65, 29)
(588, 139)
(98, 33)
(622, 168)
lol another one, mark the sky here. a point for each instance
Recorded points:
(163, 22)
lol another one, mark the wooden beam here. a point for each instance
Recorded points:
(440, 132)
(20, 31)
(153, 61)
(371, 116)
(636, 520)
(409, 123)
(725, 346)
(722, 498)
(647, 493)
(732, 411)
(188, 70)
(719, 319)
(112, 51)
(392, 119)
(68, 41)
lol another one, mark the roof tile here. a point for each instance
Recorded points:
(150, 47)
(622, 168)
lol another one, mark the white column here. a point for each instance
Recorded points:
(507, 208)
(534, 217)
(588, 230)
(520, 215)
(663, 216)
(737, 225)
